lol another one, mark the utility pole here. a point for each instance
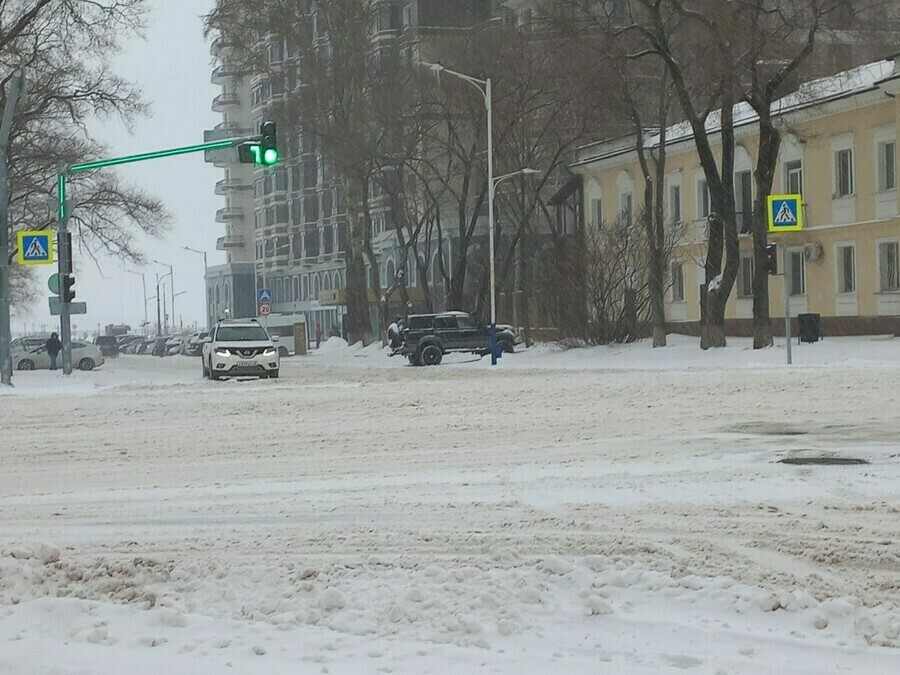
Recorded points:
(14, 93)
(158, 316)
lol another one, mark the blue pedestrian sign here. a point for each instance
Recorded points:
(35, 247)
(263, 295)
(785, 213)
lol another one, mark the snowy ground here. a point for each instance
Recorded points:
(590, 511)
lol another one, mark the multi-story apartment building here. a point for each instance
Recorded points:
(285, 228)
(839, 152)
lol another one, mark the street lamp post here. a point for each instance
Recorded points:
(159, 279)
(171, 281)
(205, 292)
(484, 88)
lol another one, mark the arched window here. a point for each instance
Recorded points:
(304, 288)
(226, 297)
(389, 273)
(295, 289)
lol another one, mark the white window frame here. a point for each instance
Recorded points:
(626, 207)
(596, 211)
(879, 243)
(703, 186)
(839, 268)
(843, 206)
(674, 181)
(788, 171)
(789, 273)
(885, 195)
(677, 288)
(839, 151)
(744, 293)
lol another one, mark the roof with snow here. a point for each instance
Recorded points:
(812, 93)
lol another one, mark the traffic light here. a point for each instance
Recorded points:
(772, 259)
(269, 143)
(265, 152)
(68, 287)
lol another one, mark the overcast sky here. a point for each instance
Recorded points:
(172, 66)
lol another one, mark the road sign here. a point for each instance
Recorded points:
(785, 213)
(265, 309)
(74, 307)
(264, 295)
(35, 247)
(53, 283)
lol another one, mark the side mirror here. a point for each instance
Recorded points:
(274, 338)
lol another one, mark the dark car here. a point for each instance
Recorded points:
(108, 344)
(425, 338)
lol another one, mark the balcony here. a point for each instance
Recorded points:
(219, 45)
(225, 130)
(228, 186)
(229, 242)
(229, 214)
(223, 102)
(225, 72)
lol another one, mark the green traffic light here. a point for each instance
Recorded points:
(270, 156)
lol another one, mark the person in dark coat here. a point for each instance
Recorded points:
(54, 347)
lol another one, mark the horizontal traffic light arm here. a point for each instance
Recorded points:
(172, 152)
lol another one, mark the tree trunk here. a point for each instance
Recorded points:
(359, 326)
(769, 144)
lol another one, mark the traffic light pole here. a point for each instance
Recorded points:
(64, 243)
(787, 301)
(65, 252)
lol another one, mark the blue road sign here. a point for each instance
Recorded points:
(785, 213)
(263, 295)
(35, 247)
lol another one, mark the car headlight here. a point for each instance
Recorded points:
(270, 352)
(222, 352)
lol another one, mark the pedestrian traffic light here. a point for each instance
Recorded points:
(772, 259)
(264, 152)
(68, 287)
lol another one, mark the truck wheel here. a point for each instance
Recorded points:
(508, 347)
(432, 355)
(273, 374)
(213, 375)
(282, 352)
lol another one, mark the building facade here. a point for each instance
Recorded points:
(288, 223)
(838, 152)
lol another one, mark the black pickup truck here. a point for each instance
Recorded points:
(425, 338)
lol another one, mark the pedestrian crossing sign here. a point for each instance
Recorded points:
(785, 213)
(35, 247)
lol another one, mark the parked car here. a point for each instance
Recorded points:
(144, 346)
(84, 357)
(158, 346)
(125, 341)
(238, 348)
(194, 345)
(108, 344)
(28, 343)
(425, 338)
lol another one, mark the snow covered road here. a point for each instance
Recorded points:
(394, 519)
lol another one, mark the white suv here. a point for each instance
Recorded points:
(239, 348)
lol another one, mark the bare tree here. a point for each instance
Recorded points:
(66, 48)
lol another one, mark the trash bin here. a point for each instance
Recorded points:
(810, 327)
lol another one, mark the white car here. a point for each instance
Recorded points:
(84, 357)
(240, 348)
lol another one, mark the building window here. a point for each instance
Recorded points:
(596, 211)
(281, 214)
(311, 208)
(743, 198)
(674, 205)
(310, 173)
(281, 181)
(703, 200)
(887, 175)
(745, 276)
(677, 282)
(626, 201)
(889, 266)
(276, 52)
(846, 262)
(797, 273)
(843, 167)
(270, 216)
(793, 177)
(407, 16)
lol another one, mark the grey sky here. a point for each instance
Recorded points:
(172, 66)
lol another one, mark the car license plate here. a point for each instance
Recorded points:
(246, 364)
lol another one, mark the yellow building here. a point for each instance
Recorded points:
(838, 151)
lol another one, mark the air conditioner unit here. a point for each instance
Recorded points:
(813, 252)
